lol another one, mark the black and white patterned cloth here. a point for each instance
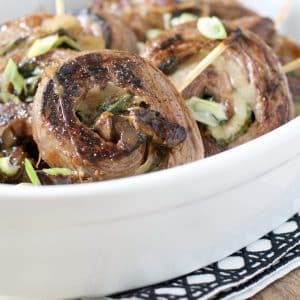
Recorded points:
(239, 276)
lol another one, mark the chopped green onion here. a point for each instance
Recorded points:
(167, 20)
(31, 173)
(153, 33)
(119, 105)
(207, 112)
(8, 97)
(212, 28)
(42, 46)
(58, 171)
(12, 76)
(7, 168)
(141, 47)
(183, 18)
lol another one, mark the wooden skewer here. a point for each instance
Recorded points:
(282, 15)
(207, 61)
(206, 8)
(292, 66)
(60, 7)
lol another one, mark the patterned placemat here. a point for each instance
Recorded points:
(238, 276)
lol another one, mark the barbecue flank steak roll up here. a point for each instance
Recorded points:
(110, 114)
(242, 95)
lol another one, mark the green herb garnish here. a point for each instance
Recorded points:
(167, 20)
(58, 171)
(31, 173)
(7, 168)
(44, 45)
(207, 112)
(153, 33)
(8, 97)
(182, 19)
(212, 28)
(120, 104)
(12, 76)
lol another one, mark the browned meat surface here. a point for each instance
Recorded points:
(142, 16)
(287, 49)
(263, 27)
(109, 114)
(47, 179)
(246, 77)
(229, 10)
(294, 82)
(16, 118)
(115, 33)
(15, 137)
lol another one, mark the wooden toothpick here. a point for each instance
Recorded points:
(292, 66)
(60, 7)
(283, 13)
(208, 60)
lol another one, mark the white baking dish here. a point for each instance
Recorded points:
(102, 238)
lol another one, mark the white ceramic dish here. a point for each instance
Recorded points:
(96, 239)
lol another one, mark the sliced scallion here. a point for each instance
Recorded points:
(8, 97)
(44, 45)
(31, 173)
(182, 19)
(153, 33)
(207, 112)
(212, 28)
(7, 168)
(120, 104)
(12, 76)
(167, 20)
(58, 172)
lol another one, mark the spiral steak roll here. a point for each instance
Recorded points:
(110, 114)
(246, 85)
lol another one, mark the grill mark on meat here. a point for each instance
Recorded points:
(124, 70)
(92, 64)
(169, 65)
(170, 41)
(162, 131)
(72, 144)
